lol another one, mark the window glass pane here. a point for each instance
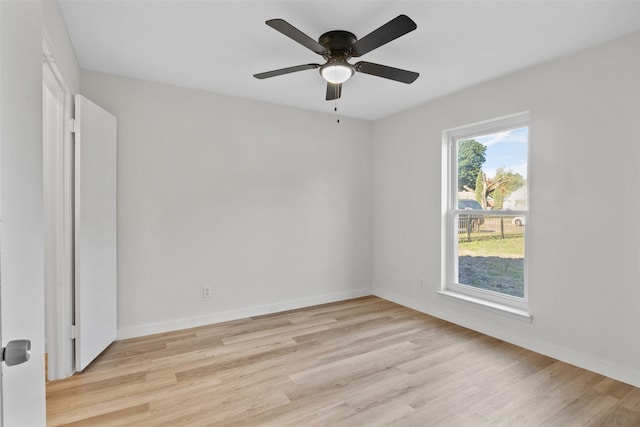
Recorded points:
(491, 177)
(492, 170)
(491, 252)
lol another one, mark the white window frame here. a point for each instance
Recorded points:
(494, 301)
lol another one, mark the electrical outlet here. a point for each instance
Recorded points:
(206, 292)
(422, 283)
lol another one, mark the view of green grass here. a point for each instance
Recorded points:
(494, 263)
(509, 247)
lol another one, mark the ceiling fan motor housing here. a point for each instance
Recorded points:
(338, 44)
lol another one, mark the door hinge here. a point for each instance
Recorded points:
(73, 332)
(72, 125)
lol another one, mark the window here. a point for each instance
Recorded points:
(486, 213)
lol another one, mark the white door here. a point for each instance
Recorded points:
(21, 212)
(95, 230)
(1, 408)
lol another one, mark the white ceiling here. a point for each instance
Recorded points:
(219, 45)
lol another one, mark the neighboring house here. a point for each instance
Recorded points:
(466, 195)
(516, 200)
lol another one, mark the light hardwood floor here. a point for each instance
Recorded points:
(363, 362)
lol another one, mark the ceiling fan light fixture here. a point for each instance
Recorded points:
(336, 72)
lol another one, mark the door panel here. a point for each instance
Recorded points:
(95, 230)
(22, 231)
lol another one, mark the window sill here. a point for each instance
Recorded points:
(495, 307)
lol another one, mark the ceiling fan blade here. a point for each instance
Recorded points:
(295, 34)
(334, 91)
(386, 72)
(287, 70)
(399, 26)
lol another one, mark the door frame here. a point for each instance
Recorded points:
(58, 163)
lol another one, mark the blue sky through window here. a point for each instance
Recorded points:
(506, 149)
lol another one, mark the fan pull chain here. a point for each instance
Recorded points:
(335, 108)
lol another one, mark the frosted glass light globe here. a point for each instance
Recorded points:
(336, 73)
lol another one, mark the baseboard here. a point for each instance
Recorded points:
(224, 316)
(621, 373)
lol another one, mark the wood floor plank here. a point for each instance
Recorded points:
(121, 417)
(632, 399)
(356, 366)
(361, 362)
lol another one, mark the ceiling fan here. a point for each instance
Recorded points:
(338, 46)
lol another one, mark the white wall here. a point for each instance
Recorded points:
(21, 239)
(584, 244)
(268, 205)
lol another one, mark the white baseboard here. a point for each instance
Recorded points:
(612, 370)
(224, 316)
